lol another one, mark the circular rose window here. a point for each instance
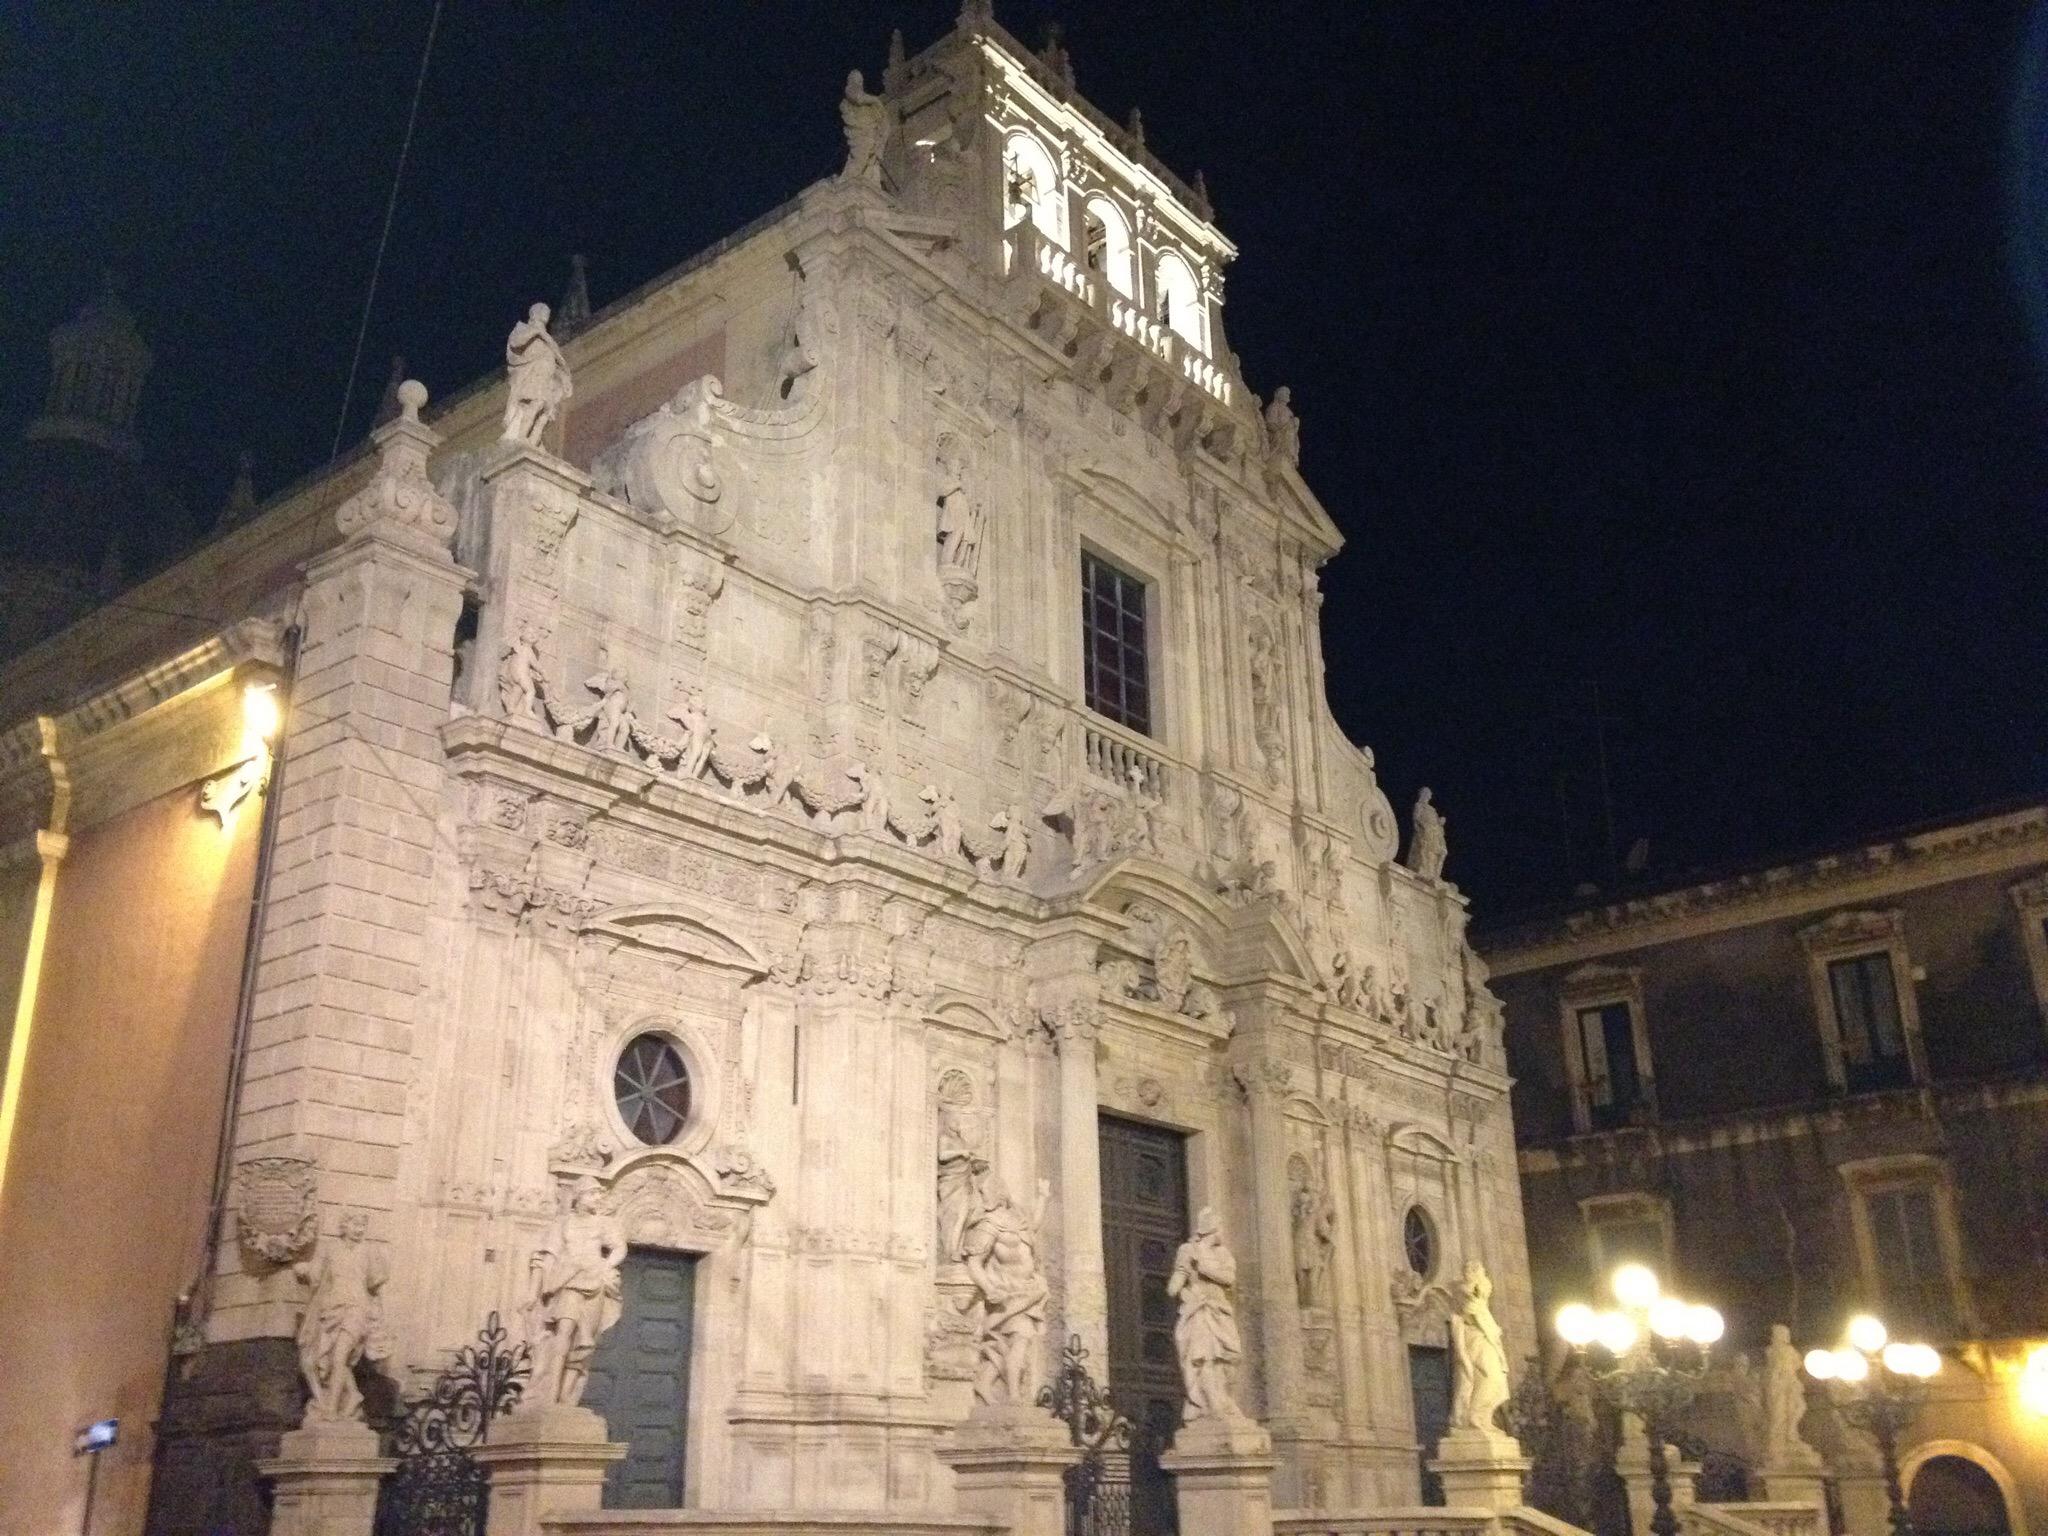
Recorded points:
(1418, 1242)
(651, 1086)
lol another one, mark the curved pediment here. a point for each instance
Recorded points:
(1255, 940)
(670, 929)
(1421, 1142)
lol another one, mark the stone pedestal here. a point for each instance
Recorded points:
(325, 1479)
(544, 1461)
(1223, 1477)
(1481, 1469)
(1866, 1506)
(1796, 1483)
(1009, 1463)
(1632, 1463)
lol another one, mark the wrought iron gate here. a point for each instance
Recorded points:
(438, 1488)
(1098, 1486)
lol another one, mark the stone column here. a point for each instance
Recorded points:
(1009, 1463)
(1222, 1477)
(1078, 1023)
(546, 1460)
(325, 1479)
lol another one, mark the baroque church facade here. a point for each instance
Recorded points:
(836, 750)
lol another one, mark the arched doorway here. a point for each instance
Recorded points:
(1953, 1496)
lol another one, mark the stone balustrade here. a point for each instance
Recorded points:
(1751, 1519)
(1027, 250)
(1113, 758)
(1419, 1521)
(705, 1522)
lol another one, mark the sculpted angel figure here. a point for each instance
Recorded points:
(1002, 1261)
(576, 1296)
(865, 117)
(1206, 1336)
(520, 681)
(536, 378)
(1479, 1355)
(341, 1320)
(612, 720)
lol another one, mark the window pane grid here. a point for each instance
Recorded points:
(1113, 639)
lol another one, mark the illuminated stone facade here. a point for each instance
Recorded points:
(748, 711)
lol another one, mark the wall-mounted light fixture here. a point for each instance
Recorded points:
(262, 718)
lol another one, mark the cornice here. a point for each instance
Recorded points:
(1854, 876)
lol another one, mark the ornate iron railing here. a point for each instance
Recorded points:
(1098, 1486)
(438, 1487)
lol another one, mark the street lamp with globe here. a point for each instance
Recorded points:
(1878, 1383)
(1646, 1356)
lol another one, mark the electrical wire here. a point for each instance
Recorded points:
(412, 118)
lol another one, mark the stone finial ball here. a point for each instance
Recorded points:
(412, 394)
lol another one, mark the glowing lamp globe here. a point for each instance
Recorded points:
(1615, 1332)
(1668, 1317)
(1820, 1364)
(1577, 1325)
(1851, 1366)
(1635, 1286)
(1703, 1325)
(260, 713)
(2033, 1386)
(1866, 1333)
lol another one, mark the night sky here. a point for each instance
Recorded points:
(1672, 352)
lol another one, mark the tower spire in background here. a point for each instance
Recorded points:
(98, 363)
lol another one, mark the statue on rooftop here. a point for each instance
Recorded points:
(1427, 847)
(865, 117)
(536, 379)
(1283, 428)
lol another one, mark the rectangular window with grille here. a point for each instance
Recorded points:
(1912, 1274)
(1607, 1044)
(1866, 1000)
(1115, 656)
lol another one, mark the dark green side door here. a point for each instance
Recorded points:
(640, 1380)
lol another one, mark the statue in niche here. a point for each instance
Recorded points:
(1002, 1261)
(963, 1161)
(960, 512)
(1266, 727)
(1344, 979)
(1314, 1220)
(865, 117)
(1173, 968)
(944, 824)
(1479, 1356)
(1283, 428)
(1784, 1395)
(536, 379)
(342, 1320)
(1427, 847)
(1205, 1336)
(576, 1297)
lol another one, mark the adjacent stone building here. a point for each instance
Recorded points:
(1805, 1090)
(861, 753)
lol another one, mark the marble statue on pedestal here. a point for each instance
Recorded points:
(1206, 1336)
(1784, 1395)
(341, 1321)
(866, 120)
(1002, 1261)
(1427, 847)
(576, 1297)
(1283, 428)
(536, 379)
(1479, 1356)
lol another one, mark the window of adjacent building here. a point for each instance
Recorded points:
(1179, 301)
(1108, 244)
(1031, 188)
(1607, 1046)
(1115, 660)
(1911, 1272)
(1627, 1229)
(1908, 1245)
(1865, 995)
(651, 1087)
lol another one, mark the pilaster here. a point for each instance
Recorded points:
(342, 961)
